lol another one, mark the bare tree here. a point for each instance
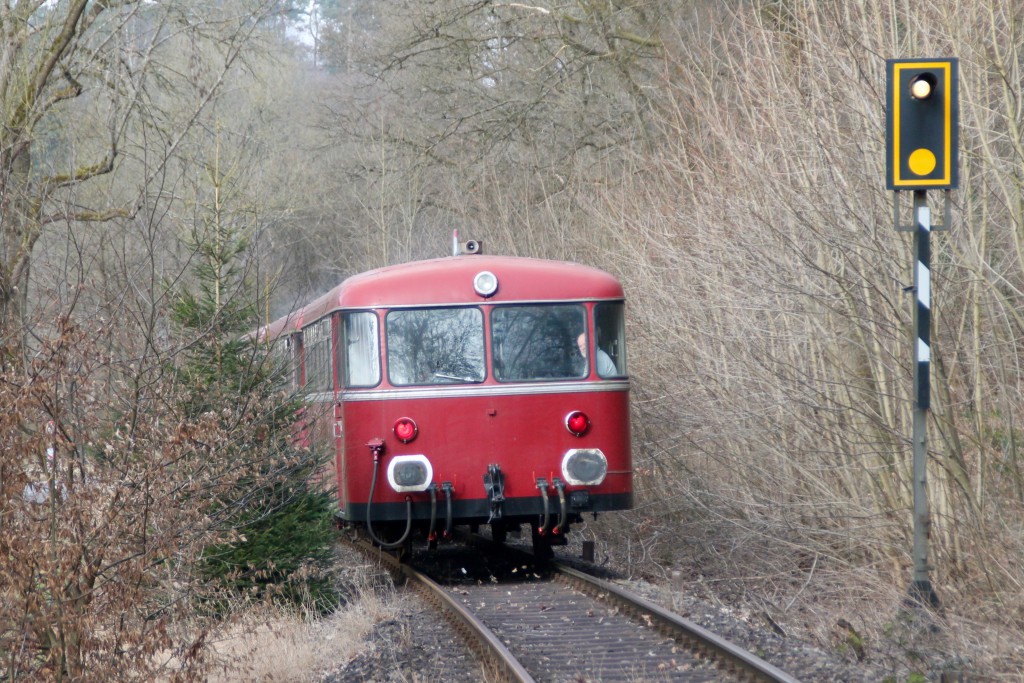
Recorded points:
(110, 490)
(86, 87)
(449, 97)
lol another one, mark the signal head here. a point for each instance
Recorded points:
(921, 124)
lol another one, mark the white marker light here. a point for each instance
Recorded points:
(485, 283)
(922, 87)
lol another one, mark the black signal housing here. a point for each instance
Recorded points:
(922, 124)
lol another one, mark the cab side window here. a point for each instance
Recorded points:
(610, 326)
(361, 344)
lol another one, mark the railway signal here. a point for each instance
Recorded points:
(922, 141)
(922, 124)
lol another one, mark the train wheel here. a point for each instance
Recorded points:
(541, 544)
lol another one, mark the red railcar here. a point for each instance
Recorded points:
(469, 390)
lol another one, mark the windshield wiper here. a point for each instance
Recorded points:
(456, 378)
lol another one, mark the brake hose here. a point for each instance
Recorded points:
(560, 485)
(369, 502)
(432, 534)
(448, 490)
(542, 484)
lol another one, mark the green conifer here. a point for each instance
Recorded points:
(279, 522)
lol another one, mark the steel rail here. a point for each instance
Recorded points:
(490, 645)
(715, 647)
(726, 655)
(485, 636)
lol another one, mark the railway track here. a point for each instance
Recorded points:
(550, 622)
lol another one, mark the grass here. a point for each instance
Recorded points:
(276, 644)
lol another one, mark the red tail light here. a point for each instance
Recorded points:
(405, 429)
(577, 423)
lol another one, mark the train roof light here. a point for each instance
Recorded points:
(485, 283)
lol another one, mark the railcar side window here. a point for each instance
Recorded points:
(282, 363)
(538, 342)
(435, 346)
(294, 350)
(316, 345)
(610, 325)
(362, 358)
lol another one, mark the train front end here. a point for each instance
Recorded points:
(482, 390)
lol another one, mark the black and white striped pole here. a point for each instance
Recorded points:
(922, 141)
(921, 587)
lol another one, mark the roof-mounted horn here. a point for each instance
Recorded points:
(467, 247)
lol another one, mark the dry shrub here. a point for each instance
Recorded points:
(273, 643)
(100, 544)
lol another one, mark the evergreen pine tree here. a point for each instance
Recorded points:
(282, 524)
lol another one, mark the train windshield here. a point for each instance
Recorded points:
(538, 342)
(435, 346)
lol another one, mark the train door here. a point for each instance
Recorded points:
(337, 336)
